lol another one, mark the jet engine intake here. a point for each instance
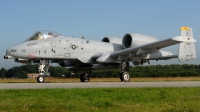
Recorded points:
(113, 40)
(133, 40)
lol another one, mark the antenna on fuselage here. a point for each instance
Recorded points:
(82, 37)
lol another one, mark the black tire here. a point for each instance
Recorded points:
(125, 77)
(85, 77)
(40, 79)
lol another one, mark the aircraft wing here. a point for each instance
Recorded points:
(146, 48)
(153, 45)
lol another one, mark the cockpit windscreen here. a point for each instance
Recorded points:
(37, 36)
(43, 35)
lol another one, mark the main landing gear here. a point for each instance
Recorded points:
(43, 70)
(124, 75)
(85, 77)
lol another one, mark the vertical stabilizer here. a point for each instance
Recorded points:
(186, 50)
(187, 32)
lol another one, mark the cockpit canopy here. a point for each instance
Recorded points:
(43, 35)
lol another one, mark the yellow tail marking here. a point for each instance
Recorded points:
(185, 28)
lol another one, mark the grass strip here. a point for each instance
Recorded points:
(101, 100)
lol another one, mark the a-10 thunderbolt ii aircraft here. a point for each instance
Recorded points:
(46, 47)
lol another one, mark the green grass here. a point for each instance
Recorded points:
(101, 100)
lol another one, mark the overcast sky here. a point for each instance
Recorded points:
(95, 19)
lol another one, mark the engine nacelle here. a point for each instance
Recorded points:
(133, 40)
(113, 40)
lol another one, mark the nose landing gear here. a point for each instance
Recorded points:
(43, 70)
(40, 79)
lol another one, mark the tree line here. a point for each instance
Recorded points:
(173, 70)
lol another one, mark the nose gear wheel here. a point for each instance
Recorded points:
(40, 79)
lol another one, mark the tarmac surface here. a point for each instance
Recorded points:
(99, 85)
